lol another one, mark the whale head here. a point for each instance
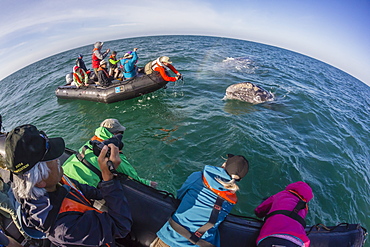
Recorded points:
(248, 92)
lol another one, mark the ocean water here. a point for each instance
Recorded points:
(316, 130)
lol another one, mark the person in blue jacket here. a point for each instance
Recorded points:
(207, 197)
(129, 64)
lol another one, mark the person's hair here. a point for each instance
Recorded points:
(230, 185)
(24, 186)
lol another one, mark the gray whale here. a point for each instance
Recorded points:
(248, 92)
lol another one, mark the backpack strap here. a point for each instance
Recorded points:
(81, 158)
(195, 237)
(292, 214)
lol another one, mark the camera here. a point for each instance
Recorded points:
(97, 145)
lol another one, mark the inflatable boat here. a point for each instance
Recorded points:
(118, 91)
(151, 208)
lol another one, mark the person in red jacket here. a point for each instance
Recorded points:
(97, 56)
(162, 64)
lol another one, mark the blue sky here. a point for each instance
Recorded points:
(334, 31)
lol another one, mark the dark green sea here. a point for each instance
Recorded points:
(316, 130)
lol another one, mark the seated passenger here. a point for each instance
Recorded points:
(80, 63)
(113, 65)
(74, 168)
(129, 64)
(207, 197)
(284, 215)
(53, 204)
(80, 78)
(162, 64)
(103, 77)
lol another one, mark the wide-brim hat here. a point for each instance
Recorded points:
(165, 59)
(127, 55)
(25, 146)
(113, 125)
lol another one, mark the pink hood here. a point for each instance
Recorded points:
(302, 189)
(282, 224)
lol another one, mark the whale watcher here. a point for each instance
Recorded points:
(206, 197)
(75, 166)
(103, 76)
(129, 61)
(80, 78)
(162, 65)
(80, 62)
(284, 215)
(113, 65)
(56, 206)
(97, 56)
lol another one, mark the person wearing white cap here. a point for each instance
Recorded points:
(75, 168)
(103, 76)
(129, 61)
(162, 64)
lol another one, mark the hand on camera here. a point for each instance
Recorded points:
(114, 158)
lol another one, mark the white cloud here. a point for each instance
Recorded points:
(45, 28)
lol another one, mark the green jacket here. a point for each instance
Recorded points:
(73, 168)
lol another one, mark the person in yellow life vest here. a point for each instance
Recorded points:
(113, 65)
(206, 197)
(80, 78)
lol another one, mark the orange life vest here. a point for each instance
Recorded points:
(227, 195)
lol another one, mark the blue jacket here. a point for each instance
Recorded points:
(196, 205)
(129, 66)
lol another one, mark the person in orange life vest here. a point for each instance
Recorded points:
(206, 197)
(80, 78)
(97, 56)
(284, 215)
(103, 77)
(57, 206)
(113, 65)
(162, 64)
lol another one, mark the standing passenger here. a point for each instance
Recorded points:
(207, 197)
(98, 56)
(284, 215)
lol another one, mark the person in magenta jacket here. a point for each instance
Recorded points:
(284, 215)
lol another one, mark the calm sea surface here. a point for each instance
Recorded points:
(317, 130)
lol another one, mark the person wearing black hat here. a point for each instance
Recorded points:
(53, 204)
(206, 199)
(80, 63)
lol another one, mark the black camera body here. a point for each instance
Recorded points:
(97, 145)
